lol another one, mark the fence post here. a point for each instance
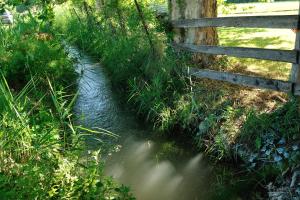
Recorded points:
(194, 9)
(176, 12)
(295, 72)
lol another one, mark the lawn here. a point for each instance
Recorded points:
(276, 8)
(261, 38)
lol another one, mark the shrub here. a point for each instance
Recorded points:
(28, 49)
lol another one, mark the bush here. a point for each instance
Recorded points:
(28, 49)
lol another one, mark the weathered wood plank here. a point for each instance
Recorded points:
(244, 80)
(289, 56)
(160, 10)
(275, 21)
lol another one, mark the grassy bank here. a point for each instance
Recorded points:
(150, 76)
(41, 151)
(232, 125)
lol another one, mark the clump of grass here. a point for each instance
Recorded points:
(41, 151)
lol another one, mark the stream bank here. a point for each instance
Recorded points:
(153, 169)
(228, 123)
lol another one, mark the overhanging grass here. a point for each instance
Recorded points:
(152, 82)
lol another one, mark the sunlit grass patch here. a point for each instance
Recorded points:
(263, 8)
(258, 38)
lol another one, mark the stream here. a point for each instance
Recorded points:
(154, 169)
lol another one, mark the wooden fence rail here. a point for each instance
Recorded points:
(252, 81)
(289, 56)
(275, 21)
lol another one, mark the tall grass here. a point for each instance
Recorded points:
(153, 82)
(42, 154)
(221, 119)
(28, 49)
(37, 162)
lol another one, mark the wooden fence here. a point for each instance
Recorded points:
(278, 21)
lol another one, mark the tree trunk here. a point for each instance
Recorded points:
(193, 9)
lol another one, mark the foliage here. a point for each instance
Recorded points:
(38, 161)
(225, 7)
(41, 152)
(155, 84)
(274, 137)
(231, 185)
(29, 49)
(153, 81)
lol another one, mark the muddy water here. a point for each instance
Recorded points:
(154, 169)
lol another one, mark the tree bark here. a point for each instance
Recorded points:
(193, 9)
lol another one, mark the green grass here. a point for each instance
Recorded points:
(156, 84)
(214, 115)
(29, 49)
(260, 8)
(153, 83)
(259, 38)
(41, 151)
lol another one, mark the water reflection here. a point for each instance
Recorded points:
(136, 165)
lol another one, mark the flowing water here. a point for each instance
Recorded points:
(154, 170)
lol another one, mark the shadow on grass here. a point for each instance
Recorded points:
(259, 38)
(243, 37)
(262, 68)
